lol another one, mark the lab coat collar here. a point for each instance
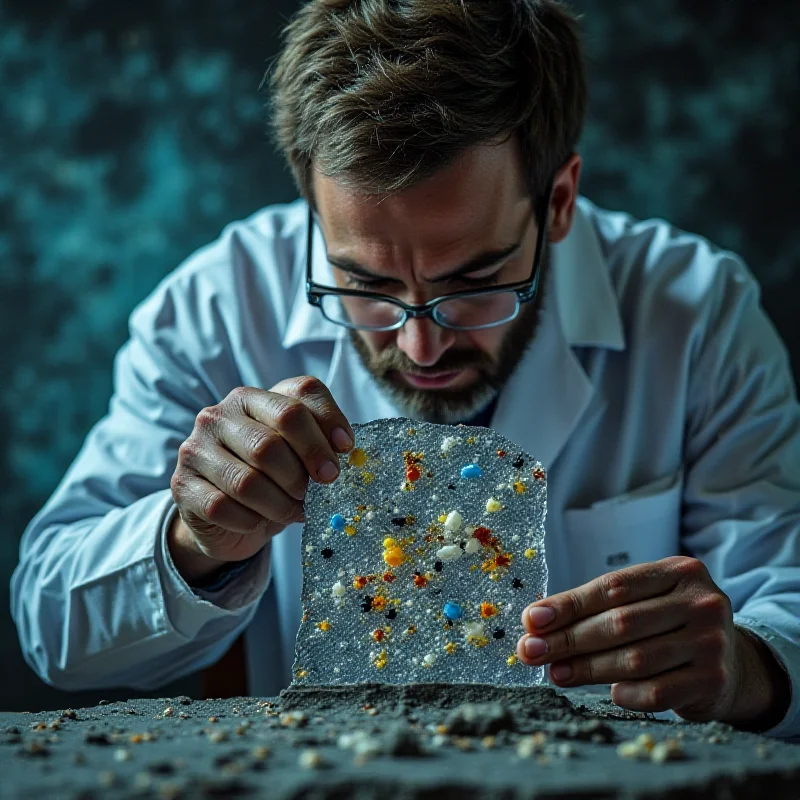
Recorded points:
(583, 295)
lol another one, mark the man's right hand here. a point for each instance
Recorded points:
(242, 475)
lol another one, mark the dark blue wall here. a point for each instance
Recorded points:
(130, 133)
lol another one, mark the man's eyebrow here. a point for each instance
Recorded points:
(485, 260)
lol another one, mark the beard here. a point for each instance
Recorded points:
(449, 406)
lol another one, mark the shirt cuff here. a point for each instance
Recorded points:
(785, 653)
(190, 609)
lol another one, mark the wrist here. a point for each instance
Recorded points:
(190, 562)
(763, 691)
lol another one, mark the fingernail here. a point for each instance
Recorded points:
(341, 439)
(541, 616)
(328, 471)
(561, 672)
(535, 647)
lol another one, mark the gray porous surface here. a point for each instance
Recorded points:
(371, 741)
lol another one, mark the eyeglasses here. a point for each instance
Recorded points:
(466, 310)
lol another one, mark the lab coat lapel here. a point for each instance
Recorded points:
(546, 397)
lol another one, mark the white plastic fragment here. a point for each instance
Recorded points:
(449, 552)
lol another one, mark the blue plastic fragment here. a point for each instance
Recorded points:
(338, 522)
(471, 471)
(453, 611)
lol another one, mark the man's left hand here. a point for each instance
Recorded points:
(662, 634)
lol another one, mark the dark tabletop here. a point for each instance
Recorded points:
(423, 741)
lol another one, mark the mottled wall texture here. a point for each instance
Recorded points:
(131, 133)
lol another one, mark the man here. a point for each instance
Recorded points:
(442, 266)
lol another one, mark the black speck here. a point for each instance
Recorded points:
(437, 591)
(451, 486)
(462, 545)
(367, 604)
(399, 521)
(516, 583)
(499, 634)
(327, 553)
(438, 566)
(391, 613)
(102, 739)
(448, 623)
(518, 462)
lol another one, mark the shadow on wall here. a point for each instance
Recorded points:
(130, 137)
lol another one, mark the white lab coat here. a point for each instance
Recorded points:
(656, 393)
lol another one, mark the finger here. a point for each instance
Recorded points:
(673, 689)
(295, 422)
(265, 450)
(608, 591)
(198, 499)
(643, 659)
(608, 629)
(316, 396)
(241, 482)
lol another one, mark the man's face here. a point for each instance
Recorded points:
(475, 215)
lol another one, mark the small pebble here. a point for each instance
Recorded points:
(311, 759)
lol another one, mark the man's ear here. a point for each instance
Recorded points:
(562, 204)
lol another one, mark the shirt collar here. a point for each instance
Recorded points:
(585, 299)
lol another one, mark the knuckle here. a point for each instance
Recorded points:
(177, 484)
(261, 445)
(290, 414)
(574, 604)
(569, 645)
(208, 417)
(714, 606)
(616, 586)
(689, 567)
(635, 662)
(242, 480)
(308, 384)
(188, 451)
(213, 506)
(620, 623)
(238, 396)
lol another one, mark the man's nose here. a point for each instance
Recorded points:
(423, 341)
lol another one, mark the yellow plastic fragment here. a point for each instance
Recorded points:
(450, 648)
(530, 553)
(350, 530)
(357, 457)
(493, 505)
(520, 487)
(511, 660)
(324, 625)
(382, 660)
(394, 556)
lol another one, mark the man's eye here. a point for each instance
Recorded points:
(487, 280)
(356, 283)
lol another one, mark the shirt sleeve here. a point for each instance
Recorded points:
(742, 493)
(95, 596)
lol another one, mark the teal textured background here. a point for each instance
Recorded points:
(130, 134)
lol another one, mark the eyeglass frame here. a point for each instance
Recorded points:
(526, 290)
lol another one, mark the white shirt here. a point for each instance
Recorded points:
(656, 393)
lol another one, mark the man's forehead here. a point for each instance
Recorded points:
(479, 199)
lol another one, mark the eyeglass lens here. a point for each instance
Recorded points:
(478, 311)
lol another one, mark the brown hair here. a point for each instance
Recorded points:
(381, 94)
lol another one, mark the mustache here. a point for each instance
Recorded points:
(394, 359)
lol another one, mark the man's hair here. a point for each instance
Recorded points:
(380, 94)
